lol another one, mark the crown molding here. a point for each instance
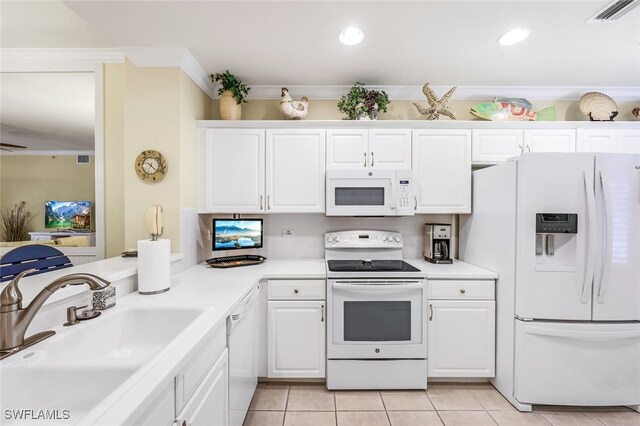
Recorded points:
(462, 92)
(57, 60)
(47, 153)
(155, 57)
(183, 59)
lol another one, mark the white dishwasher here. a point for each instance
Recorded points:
(243, 366)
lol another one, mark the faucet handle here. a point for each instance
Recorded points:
(11, 294)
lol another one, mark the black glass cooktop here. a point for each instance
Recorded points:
(370, 266)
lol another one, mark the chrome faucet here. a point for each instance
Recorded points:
(15, 320)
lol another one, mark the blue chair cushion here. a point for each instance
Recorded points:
(35, 256)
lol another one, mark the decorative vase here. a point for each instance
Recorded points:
(230, 109)
(367, 116)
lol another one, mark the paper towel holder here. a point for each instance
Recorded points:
(154, 222)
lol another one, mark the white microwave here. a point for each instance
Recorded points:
(370, 193)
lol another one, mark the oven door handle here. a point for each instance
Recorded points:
(376, 287)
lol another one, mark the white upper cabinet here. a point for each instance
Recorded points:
(492, 146)
(628, 141)
(389, 149)
(231, 171)
(347, 148)
(369, 149)
(596, 140)
(295, 171)
(623, 141)
(550, 140)
(442, 169)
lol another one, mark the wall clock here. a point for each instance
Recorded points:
(151, 166)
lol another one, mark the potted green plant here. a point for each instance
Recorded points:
(363, 104)
(232, 94)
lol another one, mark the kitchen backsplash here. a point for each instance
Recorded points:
(309, 230)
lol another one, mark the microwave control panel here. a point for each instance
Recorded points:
(405, 194)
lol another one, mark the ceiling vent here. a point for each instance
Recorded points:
(82, 159)
(613, 11)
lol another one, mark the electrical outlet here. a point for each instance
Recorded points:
(288, 233)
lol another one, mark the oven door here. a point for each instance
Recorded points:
(376, 319)
(360, 195)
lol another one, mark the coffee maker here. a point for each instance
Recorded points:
(437, 243)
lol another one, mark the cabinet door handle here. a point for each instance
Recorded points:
(528, 148)
(415, 198)
(521, 149)
(371, 158)
(365, 160)
(261, 198)
(268, 202)
(322, 313)
(430, 312)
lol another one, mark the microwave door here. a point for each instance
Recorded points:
(358, 197)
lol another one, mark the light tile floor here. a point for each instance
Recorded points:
(278, 404)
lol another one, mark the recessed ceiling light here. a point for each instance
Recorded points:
(514, 36)
(351, 36)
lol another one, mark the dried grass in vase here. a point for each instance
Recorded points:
(15, 223)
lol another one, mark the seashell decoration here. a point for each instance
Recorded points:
(598, 106)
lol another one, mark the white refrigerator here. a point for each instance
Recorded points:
(563, 233)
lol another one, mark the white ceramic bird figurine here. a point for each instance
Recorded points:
(293, 110)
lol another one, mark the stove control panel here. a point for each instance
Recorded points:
(363, 239)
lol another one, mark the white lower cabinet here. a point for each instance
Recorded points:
(209, 403)
(296, 334)
(199, 393)
(461, 332)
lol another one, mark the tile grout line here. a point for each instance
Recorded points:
(434, 406)
(385, 408)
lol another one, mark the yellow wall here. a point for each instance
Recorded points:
(149, 108)
(36, 179)
(194, 105)
(114, 77)
(267, 109)
(151, 121)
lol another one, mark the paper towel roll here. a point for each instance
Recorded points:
(154, 266)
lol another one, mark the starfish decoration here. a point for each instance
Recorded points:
(437, 106)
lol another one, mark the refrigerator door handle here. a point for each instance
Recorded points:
(608, 246)
(582, 335)
(591, 242)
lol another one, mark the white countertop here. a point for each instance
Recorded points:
(216, 293)
(457, 270)
(113, 269)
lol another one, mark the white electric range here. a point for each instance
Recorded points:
(376, 306)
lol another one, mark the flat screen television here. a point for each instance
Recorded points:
(67, 214)
(234, 234)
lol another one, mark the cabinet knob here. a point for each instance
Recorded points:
(296, 291)
(377, 350)
(463, 291)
